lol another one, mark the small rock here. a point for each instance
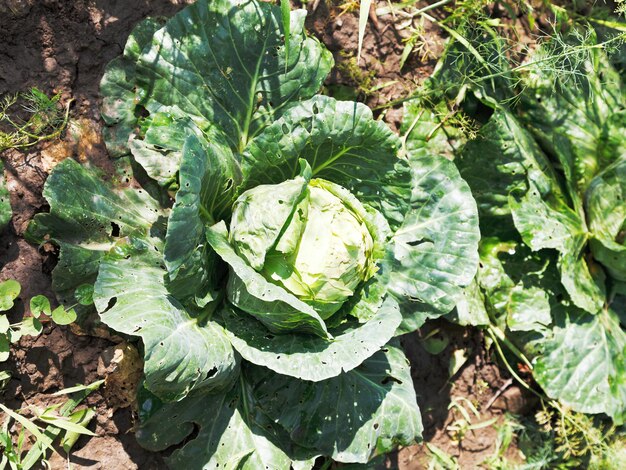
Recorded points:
(50, 64)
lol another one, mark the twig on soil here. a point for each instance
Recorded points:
(499, 392)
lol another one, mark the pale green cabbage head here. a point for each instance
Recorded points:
(323, 250)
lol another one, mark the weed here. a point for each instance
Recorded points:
(44, 120)
(363, 80)
(60, 420)
(465, 422)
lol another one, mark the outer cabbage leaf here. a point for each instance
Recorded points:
(582, 362)
(435, 252)
(324, 416)
(495, 164)
(310, 357)
(5, 202)
(88, 218)
(524, 185)
(223, 62)
(520, 287)
(578, 357)
(606, 208)
(181, 355)
(343, 144)
(425, 133)
(160, 149)
(279, 310)
(576, 120)
(470, 308)
(208, 177)
(118, 89)
(233, 434)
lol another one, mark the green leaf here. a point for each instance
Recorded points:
(351, 417)
(425, 132)
(279, 310)
(576, 120)
(5, 325)
(60, 316)
(40, 304)
(519, 286)
(5, 347)
(470, 307)
(5, 202)
(29, 425)
(180, 355)
(232, 432)
(310, 357)
(209, 176)
(343, 144)
(118, 89)
(434, 253)
(581, 362)
(66, 424)
(286, 18)
(223, 62)
(544, 221)
(606, 213)
(82, 418)
(494, 165)
(9, 290)
(513, 180)
(529, 309)
(84, 294)
(88, 218)
(159, 148)
(30, 326)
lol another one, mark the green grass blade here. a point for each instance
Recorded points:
(51, 433)
(364, 12)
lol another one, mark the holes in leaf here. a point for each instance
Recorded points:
(375, 425)
(229, 184)
(418, 242)
(115, 230)
(111, 304)
(285, 128)
(389, 379)
(269, 336)
(141, 112)
(316, 109)
(194, 432)
(210, 373)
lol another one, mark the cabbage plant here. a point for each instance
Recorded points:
(278, 244)
(547, 170)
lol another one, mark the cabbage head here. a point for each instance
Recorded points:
(321, 249)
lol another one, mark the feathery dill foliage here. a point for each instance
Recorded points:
(44, 118)
(558, 439)
(580, 439)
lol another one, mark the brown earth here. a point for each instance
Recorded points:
(63, 46)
